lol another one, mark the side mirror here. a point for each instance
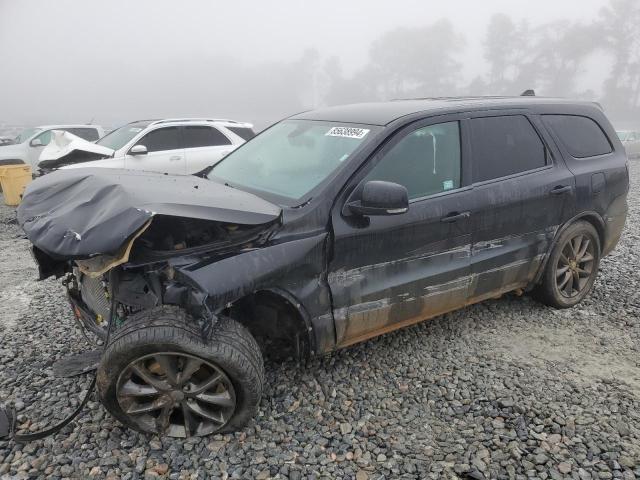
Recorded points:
(138, 150)
(36, 142)
(381, 198)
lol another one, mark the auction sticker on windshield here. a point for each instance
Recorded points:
(347, 132)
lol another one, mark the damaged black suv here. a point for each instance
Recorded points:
(329, 228)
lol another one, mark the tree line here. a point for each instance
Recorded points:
(412, 62)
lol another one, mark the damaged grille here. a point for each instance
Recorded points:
(96, 296)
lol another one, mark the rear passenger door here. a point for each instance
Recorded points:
(165, 153)
(204, 146)
(522, 192)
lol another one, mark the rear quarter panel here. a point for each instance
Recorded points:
(602, 182)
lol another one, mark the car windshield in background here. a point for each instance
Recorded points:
(121, 136)
(292, 158)
(26, 135)
(623, 135)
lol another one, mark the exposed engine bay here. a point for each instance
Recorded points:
(147, 277)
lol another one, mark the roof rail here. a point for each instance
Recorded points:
(462, 97)
(169, 120)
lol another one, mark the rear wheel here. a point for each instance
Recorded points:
(572, 267)
(160, 376)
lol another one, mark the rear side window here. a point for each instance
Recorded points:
(425, 162)
(581, 136)
(503, 146)
(200, 136)
(243, 132)
(89, 134)
(161, 139)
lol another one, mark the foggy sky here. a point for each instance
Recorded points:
(120, 60)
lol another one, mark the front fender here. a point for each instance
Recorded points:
(297, 267)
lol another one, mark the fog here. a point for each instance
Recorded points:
(119, 60)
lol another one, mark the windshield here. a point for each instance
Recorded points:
(292, 158)
(623, 135)
(118, 138)
(26, 135)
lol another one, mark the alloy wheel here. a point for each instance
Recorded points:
(575, 266)
(176, 394)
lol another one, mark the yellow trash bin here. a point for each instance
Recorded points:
(14, 179)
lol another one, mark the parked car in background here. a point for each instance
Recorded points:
(178, 146)
(30, 143)
(329, 228)
(5, 141)
(631, 141)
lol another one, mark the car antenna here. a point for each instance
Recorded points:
(528, 93)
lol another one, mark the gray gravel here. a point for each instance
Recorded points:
(504, 389)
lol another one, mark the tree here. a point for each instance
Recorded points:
(619, 26)
(502, 46)
(416, 61)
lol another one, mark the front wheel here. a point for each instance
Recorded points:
(572, 267)
(160, 376)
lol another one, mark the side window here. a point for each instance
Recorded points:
(243, 132)
(200, 136)
(504, 146)
(161, 139)
(89, 134)
(426, 161)
(581, 136)
(44, 137)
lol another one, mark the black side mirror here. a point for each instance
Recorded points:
(381, 198)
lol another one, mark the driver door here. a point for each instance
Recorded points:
(391, 271)
(165, 153)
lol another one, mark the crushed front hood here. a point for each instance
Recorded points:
(80, 213)
(66, 148)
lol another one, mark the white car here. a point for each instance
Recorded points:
(631, 141)
(177, 146)
(27, 147)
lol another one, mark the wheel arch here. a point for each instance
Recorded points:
(594, 218)
(274, 310)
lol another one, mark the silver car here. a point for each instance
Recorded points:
(631, 141)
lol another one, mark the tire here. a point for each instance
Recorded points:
(139, 357)
(552, 290)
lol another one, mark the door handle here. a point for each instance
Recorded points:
(175, 157)
(455, 216)
(561, 189)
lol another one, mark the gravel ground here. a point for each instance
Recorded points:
(504, 389)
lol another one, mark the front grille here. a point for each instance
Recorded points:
(95, 296)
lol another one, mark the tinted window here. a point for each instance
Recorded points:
(243, 132)
(161, 139)
(199, 136)
(503, 146)
(426, 161)
(90, 134)
(581, 136)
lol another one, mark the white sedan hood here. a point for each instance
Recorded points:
(65, 144)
